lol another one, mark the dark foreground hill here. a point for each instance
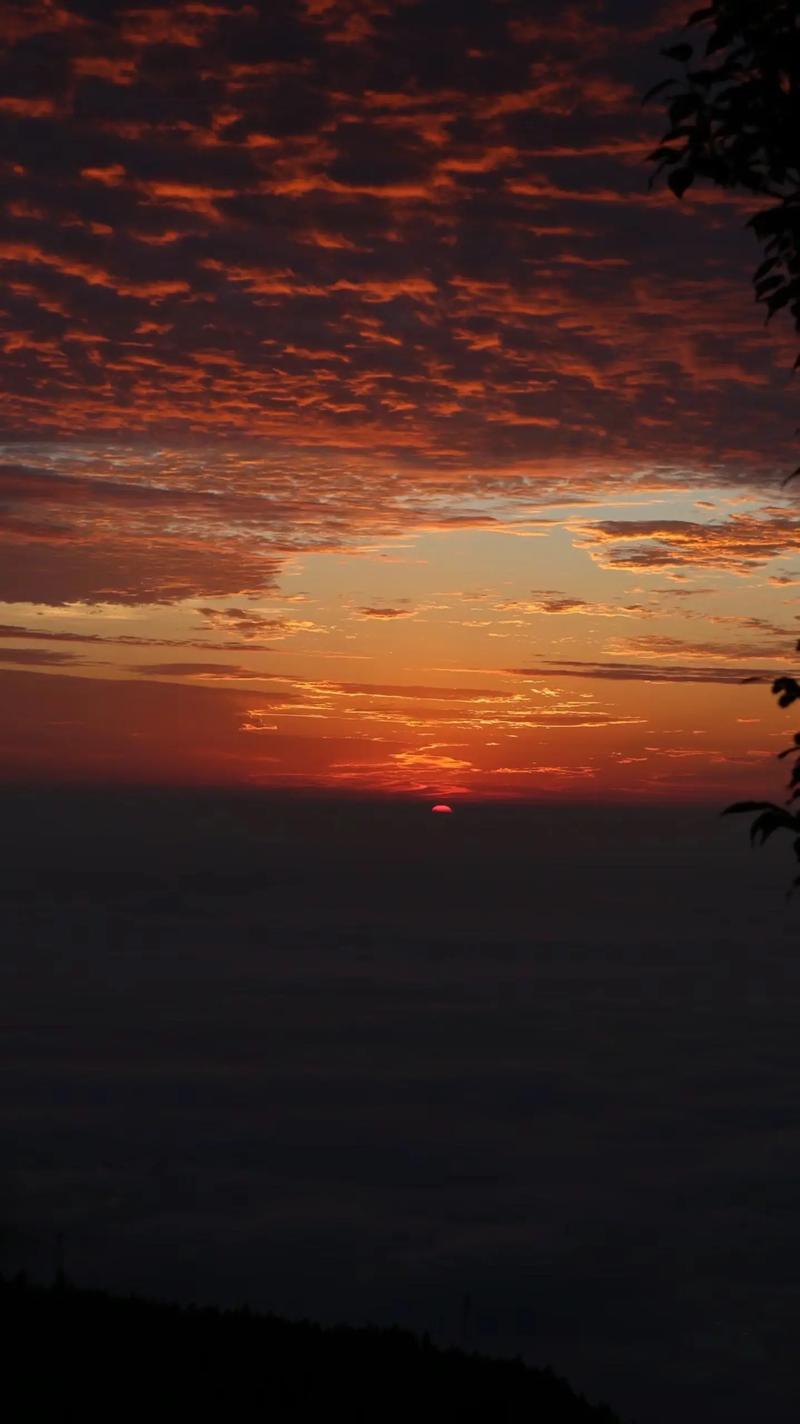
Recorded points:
(84, 1356)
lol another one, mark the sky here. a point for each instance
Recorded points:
(367, 423)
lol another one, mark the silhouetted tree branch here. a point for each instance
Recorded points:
(734, 119)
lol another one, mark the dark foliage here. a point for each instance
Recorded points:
(734, 119)
(84, 1355)
(770, 816)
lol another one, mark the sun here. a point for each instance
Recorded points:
(442, 810)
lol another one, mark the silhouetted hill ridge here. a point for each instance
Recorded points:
(86, 1355)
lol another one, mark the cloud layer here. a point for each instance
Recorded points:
(300, 297)
(418, 231)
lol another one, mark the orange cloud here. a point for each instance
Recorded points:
(739, 543)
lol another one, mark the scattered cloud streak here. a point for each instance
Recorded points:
(642, 672)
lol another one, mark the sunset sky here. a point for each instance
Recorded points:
(367, 423)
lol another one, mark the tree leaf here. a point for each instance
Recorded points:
(748, 806)
(787, 690)
(658, 89)
(769, 822)
(679, 180)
